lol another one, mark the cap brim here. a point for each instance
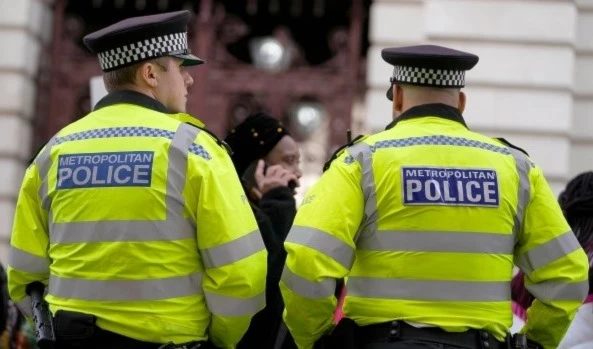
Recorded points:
(189, 59)
(390, 93)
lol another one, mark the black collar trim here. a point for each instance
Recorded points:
(436, 109)
(131, 97)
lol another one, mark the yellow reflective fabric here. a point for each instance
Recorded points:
(550, 315)
(130, 253)
(440, 264)
(33, 241)
(183, 117)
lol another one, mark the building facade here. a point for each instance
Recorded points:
(533, 84)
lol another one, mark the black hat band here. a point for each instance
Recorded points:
(143, 50)
(428, 76)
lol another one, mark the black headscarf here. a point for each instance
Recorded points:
(254, 138)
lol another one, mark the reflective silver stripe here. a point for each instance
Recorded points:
(44, 164)
(231, 306)
(184, 137)
(547, 253)
(104, 231)
(232, 251)
(126, 290)
(559, 291)
(175, 227)
(362, 153)
(432, 241)
(25, 306)
(28, 262)
(523, 165)
(306, 288)
(323, 242)
(430, 290)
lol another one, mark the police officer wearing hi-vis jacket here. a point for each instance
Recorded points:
(134, 216)
(429, 221)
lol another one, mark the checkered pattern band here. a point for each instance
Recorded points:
(199, 151)
(428, 76)
(142, 50)
(116, 132)
(434, 140)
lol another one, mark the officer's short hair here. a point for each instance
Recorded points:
(118, 78)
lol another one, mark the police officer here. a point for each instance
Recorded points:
(134, 216)
(429, 219)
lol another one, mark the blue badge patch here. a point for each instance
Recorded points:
(116, 169)
(450, 186)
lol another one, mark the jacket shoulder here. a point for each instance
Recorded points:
(195, 122)
(511, 145)
(213, 137)
(342, 149)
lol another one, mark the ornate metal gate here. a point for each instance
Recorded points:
(261, 54)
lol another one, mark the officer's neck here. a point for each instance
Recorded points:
(140, 89)
(441, 110)
(406, 106)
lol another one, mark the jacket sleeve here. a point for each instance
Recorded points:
(231, 249)
(320, 249)
(28, 260)
(555, 265)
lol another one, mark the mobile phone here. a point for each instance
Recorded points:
(292, 184)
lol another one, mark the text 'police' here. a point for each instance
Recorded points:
(114, 169)
(450, 186)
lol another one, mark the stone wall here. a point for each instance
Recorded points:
(25, 28)
(581, 157)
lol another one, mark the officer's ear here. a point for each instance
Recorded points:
(148, 74)
(461, 102)
(398, 100)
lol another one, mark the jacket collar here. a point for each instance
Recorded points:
(430, 110)
(131, 97)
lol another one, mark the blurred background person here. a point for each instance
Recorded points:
(15, 331)
(576, 202)
(3, 299)
(267, 160)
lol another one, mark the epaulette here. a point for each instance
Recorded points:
(509, 144)
(50, 143)
(341, 149)
(219, 141)
(32, 160)
(190, 120)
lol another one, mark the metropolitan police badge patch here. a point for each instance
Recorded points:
(114, 169)
(450, 186)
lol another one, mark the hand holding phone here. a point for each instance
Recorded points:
(248, 176)
(261, 178)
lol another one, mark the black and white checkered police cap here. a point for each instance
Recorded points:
(142, 38)
(428, 65)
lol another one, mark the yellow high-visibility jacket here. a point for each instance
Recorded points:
(425, 221)
(137, 217)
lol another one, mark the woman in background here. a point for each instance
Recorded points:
(266, 159)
